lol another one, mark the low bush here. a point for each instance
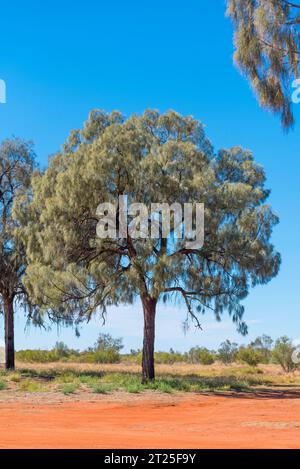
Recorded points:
(99, 356)
(263, 345)
(249, 355)
(200, 355)
(168, 358)
(283, 354)
(162, 358)
(40, 356)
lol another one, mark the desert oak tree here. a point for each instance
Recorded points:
(153, 158)
(16, 168)
(267, 42)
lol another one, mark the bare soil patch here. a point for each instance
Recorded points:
(155, 420)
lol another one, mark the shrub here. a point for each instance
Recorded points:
(249, 355)
(200, 355)
(227, 352)
(98, 356)
(63, 352)
(283, 352)
(40, 356)
(168, 358)
(106, 356)
(59, 352)
(263, 345)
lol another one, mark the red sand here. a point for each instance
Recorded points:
(191, 421)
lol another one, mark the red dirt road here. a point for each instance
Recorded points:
(188, 421)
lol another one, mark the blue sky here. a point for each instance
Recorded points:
(61, 59)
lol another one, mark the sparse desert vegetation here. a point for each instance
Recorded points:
(76, 378)
(103, 369)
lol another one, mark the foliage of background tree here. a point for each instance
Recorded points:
(283, 354)
(227, 352)
(16, 168)
(152, 158)
(267, 42)
(263, 345)
(107, 342)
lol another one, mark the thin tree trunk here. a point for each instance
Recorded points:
(149, 307)
(9, 333)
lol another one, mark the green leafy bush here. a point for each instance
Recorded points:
(59, 352)
(283, 354)
(162, 358)
(168, 358)
(200, 355)
(40, 356)
(263, 345)
(249, 355)
(99, 356)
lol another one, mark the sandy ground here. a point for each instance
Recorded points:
(268, 419)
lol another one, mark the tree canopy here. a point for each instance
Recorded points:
(267, 42)
(153, 158)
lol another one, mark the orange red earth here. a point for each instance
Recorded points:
(190, 421)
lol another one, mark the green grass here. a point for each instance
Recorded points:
(69, 388)
(178, 379)
(29, 385)
(14, 377)
(68, 378)
(101, 388)
(168, 384)
(2, 385)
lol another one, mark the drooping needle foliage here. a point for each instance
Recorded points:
(153, 158)
(267, 50)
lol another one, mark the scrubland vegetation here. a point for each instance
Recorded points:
(102, 369)
(69, 378)
(263, 350)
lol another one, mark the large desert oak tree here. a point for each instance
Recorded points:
(267, 42)
(153, 158)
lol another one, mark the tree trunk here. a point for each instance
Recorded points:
(9, 333)
(149, 307)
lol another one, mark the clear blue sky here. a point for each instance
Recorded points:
(61, 59)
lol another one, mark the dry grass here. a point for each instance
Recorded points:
(273, 372)
(78, 379)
